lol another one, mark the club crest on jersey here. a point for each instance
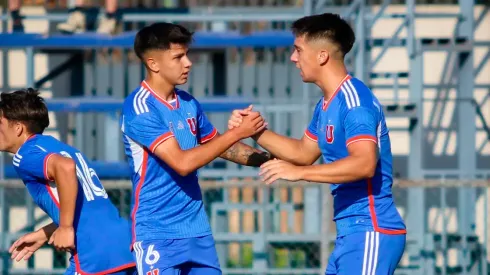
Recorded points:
(153, 272)
(192, 125)
(329, 134)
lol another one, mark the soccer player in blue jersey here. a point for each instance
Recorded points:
(348, 129)
(167, 138)
(60, 181)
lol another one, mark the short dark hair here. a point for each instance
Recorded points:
(327, 26)
(159, 36)
(25, 106)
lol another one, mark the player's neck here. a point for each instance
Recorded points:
(18, 143)
(330, 80)
(161, 87)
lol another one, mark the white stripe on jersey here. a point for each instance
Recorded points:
(42, 149)
(370, 260)
(16, 159)
(139, 256)
(137, 153)
(350, 94)
(139, 101)
(54, 191)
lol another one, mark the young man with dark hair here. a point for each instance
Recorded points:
(85, 222)
(167, 138)
(348, 129)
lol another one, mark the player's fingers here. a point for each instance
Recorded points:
(16, 244)
(28, 255)
(259, 123)
(261, 128)
(268, 175)
(15, 253)
(268, 164)
(272, 179)
(51, 240)
(21, 255)
(254, 115)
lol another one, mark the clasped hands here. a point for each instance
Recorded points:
(271, 170)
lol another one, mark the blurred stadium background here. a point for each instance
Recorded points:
(427, 61)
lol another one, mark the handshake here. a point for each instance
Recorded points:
(246, 123)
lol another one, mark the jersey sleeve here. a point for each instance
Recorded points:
(312, 130)
(206, 131)
(33, 164)
(147, 129)
(360, 123)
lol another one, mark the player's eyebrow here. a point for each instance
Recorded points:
(297, 47)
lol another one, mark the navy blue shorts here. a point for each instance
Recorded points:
(366, 253)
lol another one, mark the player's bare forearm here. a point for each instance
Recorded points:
(245, 155)
(63, 171)
(349, 169)
(185, 162)
(289, 149)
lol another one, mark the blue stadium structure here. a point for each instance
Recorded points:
(434, 85)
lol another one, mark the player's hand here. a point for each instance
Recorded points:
(236, 117)
(26, 245)
(63, 239)
(278, 169)
(251, 124)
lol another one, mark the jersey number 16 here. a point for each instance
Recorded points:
(86, 177)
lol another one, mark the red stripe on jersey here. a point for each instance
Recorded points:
(311, 136)
(159, 141)
(45, 166)
(361, 138)
(53, 197)
(374, 218)
(145, 85)
(137, 195)
(209, 137)
(104, 272)
(327, 102)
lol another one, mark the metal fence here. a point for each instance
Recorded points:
(274, 229)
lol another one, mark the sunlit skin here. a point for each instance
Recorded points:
(12, 135)
(322, 63)
(167, 69)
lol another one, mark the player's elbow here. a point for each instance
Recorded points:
(184, 167)
(367, 168)
(183, 170)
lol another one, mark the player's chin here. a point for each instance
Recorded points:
(182, 81)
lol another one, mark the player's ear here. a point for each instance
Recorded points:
(152, 64)
(19, 128)
(323, 57)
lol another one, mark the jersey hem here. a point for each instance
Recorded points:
(45, 166)
(159, 140)
(311, 136)
(103, 272)
(209, 137)
(361, 138)
(175, 237)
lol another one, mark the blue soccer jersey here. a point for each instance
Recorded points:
(165, 205)
(353, 114)
(102, 236)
